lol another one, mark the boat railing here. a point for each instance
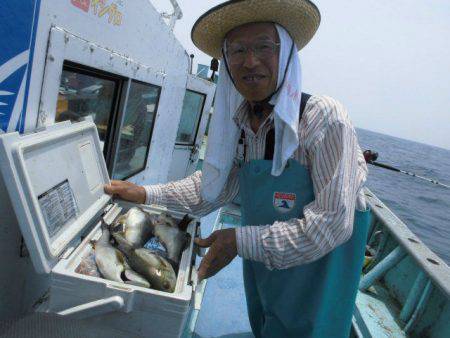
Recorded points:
(405, 287)
(407, 244)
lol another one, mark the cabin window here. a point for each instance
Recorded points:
(190, 117)
(85, 92)
(136, 129)
(124, 111)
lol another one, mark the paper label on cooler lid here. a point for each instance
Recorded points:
(58, 206)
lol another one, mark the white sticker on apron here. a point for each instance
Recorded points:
(283, 201)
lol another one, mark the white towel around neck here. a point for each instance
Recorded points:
(224, 134)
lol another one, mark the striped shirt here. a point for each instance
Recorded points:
(329, 149)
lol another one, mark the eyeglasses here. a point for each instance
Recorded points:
(263, 49)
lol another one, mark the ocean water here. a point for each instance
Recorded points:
(422, 206)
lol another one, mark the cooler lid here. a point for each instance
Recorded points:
(55, 181)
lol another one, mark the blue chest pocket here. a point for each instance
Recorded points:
(266, 198)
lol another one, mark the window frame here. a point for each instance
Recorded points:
(121, 117)
(197, 128)
(116, 104)
(67, 48)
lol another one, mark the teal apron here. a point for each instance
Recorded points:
(311, 300)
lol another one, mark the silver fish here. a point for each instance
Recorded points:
(134, 226)
(157, 270)
(173, 239)
(113, 265)
(165, 218)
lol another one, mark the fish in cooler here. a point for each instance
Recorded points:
(129, 262)
(113, 265)
(137, 226)
(165, 218)
(134, 226)
(155, 268)
(173, 239)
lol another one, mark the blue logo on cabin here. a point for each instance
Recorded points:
(17, 36)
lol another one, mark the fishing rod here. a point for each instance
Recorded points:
(371, 157)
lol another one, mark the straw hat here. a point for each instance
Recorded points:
(301, 18)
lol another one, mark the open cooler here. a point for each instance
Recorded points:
(55, 180)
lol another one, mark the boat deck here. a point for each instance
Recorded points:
(223, 309)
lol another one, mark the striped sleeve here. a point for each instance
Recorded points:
(333, 156)
(184, 195)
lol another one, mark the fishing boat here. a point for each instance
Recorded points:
(112, 74)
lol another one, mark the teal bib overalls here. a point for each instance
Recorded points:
(311, 300)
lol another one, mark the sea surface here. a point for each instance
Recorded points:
(422, 206)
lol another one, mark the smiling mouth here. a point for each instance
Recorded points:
(253, 78)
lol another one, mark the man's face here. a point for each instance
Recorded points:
(255, 75)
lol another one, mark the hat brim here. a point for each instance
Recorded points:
(301, 18)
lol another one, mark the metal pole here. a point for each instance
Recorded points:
(382, 267)
(413, 296)
(420, 306)
(191, 63)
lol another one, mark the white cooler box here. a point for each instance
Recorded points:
(55, 181)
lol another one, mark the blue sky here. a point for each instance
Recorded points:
(387, 61)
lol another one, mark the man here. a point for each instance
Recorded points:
(295, 163)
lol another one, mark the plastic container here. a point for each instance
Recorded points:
(55, 181)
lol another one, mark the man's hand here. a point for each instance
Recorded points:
(126, 191)
(222, 250)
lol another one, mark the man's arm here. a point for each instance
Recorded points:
(338, 175)
(183, 195)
